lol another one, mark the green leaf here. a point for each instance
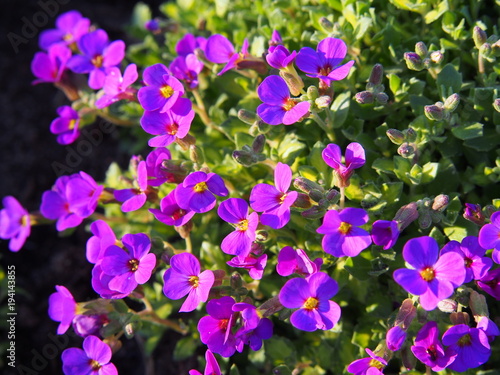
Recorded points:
(394, 83)
(468, 131)
(435, 14)
(340, 108)
(185, 348)
(455, 233)
(418, 6)
(290, 148)
(384, 165)
(429, 172)
(402, 168)
(447, 78)
(358, 267)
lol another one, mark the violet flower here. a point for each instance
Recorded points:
(66, 126)
(324, 63)
(220, 50)
(275, 41)
(15, 223)
(235, 211)
(490, 283)
(312, 298)
(184, 278)
(103, 237)
(385, 233)
(470, 345)
(429, 350)
(97, 56)
(87, 325)
(93, 359)
(296, 261)
(394, 338)
(62, 308)
(215, 329)
(280, 57)
(476, 264)
(254, 327)
(197, 191)
(274, 201)
(431, 277)
(170, 124)
(343, 237)
(83, 194)
(187, 68)
(162, 90)
(474, 213)
(49, 66)
(489, 327)
(211, 367)
(100, 283)
(117, 87)
(278, 106)
(129, 268)
(71, 26)
(354, 159)
(170, 213)
(189, 43)
(255, 266)
(134, 198)
(154, 166)
(489, 236)
(372, 365)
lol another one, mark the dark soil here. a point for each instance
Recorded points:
(27, 151)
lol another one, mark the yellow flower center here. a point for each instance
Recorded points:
(428, 274)
(289, 104)
(172, 128)
(166, 91)
(94, 365)
(71, 124)
(242, 225)
(194, 281)
(200, 187)
(311, 303)
(376, 364)
(97, 61)
(464, 340)
(345, 228)
(133, 265)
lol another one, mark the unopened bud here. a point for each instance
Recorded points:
(407, 312)
(293, 81)
(313, 213)
(496, 104)
(257, 249)
(406, 215)
(459, 318)
(236, 281)
(326, 24)
(410, 135)
(258, 143)
(440, 203)
(413, 61)
(312, 93)
(306, 185)
(479, 36)
(364, 97)
(486, 51)
(424, 219)
(316, 195)
(421, 49)
(263, 127)
(247, 117)
(302, 201)
(395, 136)
(271, 306)
(434, 112)
(451, 102)
(406, 150)
(478, 305)
(196, 154)
(323, 101)
(185, 229)
(447, 305)
(261, 236)
(436, 57)
(186, 142)
(244, 157)
(473, 213)
(376, 75)
(333, 196)
(382, 97)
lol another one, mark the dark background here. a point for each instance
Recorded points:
(27, 150)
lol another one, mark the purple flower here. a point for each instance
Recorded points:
(235, 211)
(473, 213)
(170, 213)
(162, 90)
(62, 308)
(197, 191)
(215, 329)
(169, 124)
(296, 261)
(117, 87)
(220, 50)
(66, 125)
(278, 106)
(385, 233)
(255, 266)
(275, 41)
(342, 235)
(189, 43)
(184, 278)
(476, 264)
(373, 365)
(92, 360)
(429, 350)
(211, 367)
(470, 345)
(395, 338)
(103, 237)
(187, 68)
(83, 194)
(431, 278)
(153, 26)
(157, 175)
(274, 201)
(134, 198)
(15, 223)
(71, 26)
(354, 158)
(489, 327)
(87, 325)
(324, 63)
(131, 268)
(280, 57)
(490, 283)
(254, 328)
(100, 283)
(97, 56)
(49, 66)
(312, 298)
(489, 236)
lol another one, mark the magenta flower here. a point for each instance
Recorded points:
(162, 90)
(280, 57)
(103, 237)
(92, 360)
(49, 66)
(134, 198)
(373, 365)
(476, 264)
(489, 327)
(255, 266)
(395, 338)
(169, 124)
(100, 283)
(62, 308)
(215, 329)
(238, 242)
(189, 43)
(97, 56)
(117, 87)
(312, 298)
(431, 278)
(87, 325)
(186, 68)
(220, 50)
(324, 63)
(278, 106)
(429, 350)
(489, 236)
(66, 125)
(71, 26)
(296, 261)
(342, 235)
(254, 327)
(275, 41)
(490, 283)
(470, 345)
(184, 278)
(83, 194)
(274, 201)
(354, 158)
(474, 213)
(129, 268)
(211, 367)
(170, 213)
(385, 233)
(197, 191)
(15, 223)
(157, 175)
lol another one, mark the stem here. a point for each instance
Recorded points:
(342, 198)
(115, 120)
(323, 126)
(189, 244)
(98, 216)
(150, 316)
(427, 370)
(480, 63)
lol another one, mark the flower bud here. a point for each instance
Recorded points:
(406, 215)
(376, 75)
(244, 157)
(382, 97)
(407, 312)
(364, 97)
(459, 318)
(186, 142)
(413, 61)
(247, 117)
(436, 57)
(421, 49)
(271, 306)
(185, 229)
(395, 338)
(302, 201)
(263, 127)
(326, 24)
(261, 236)
(316, 195)
(323, 101)
(440, 203)
(312, 93)
(410, 135)
(478, 305)
(486, 51)
(451, 102)
(406, 150)
(236, 281)
(434, 112)
(314, 212)
(333, 196)
(395, 136)
(196, 154)
(424, 219)
(473, 213)
(496, 104)
(293, 81)
(306, 185)
(152, 26)
(489, 210)
(447, 305)
(479, 36)
(258, 143)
